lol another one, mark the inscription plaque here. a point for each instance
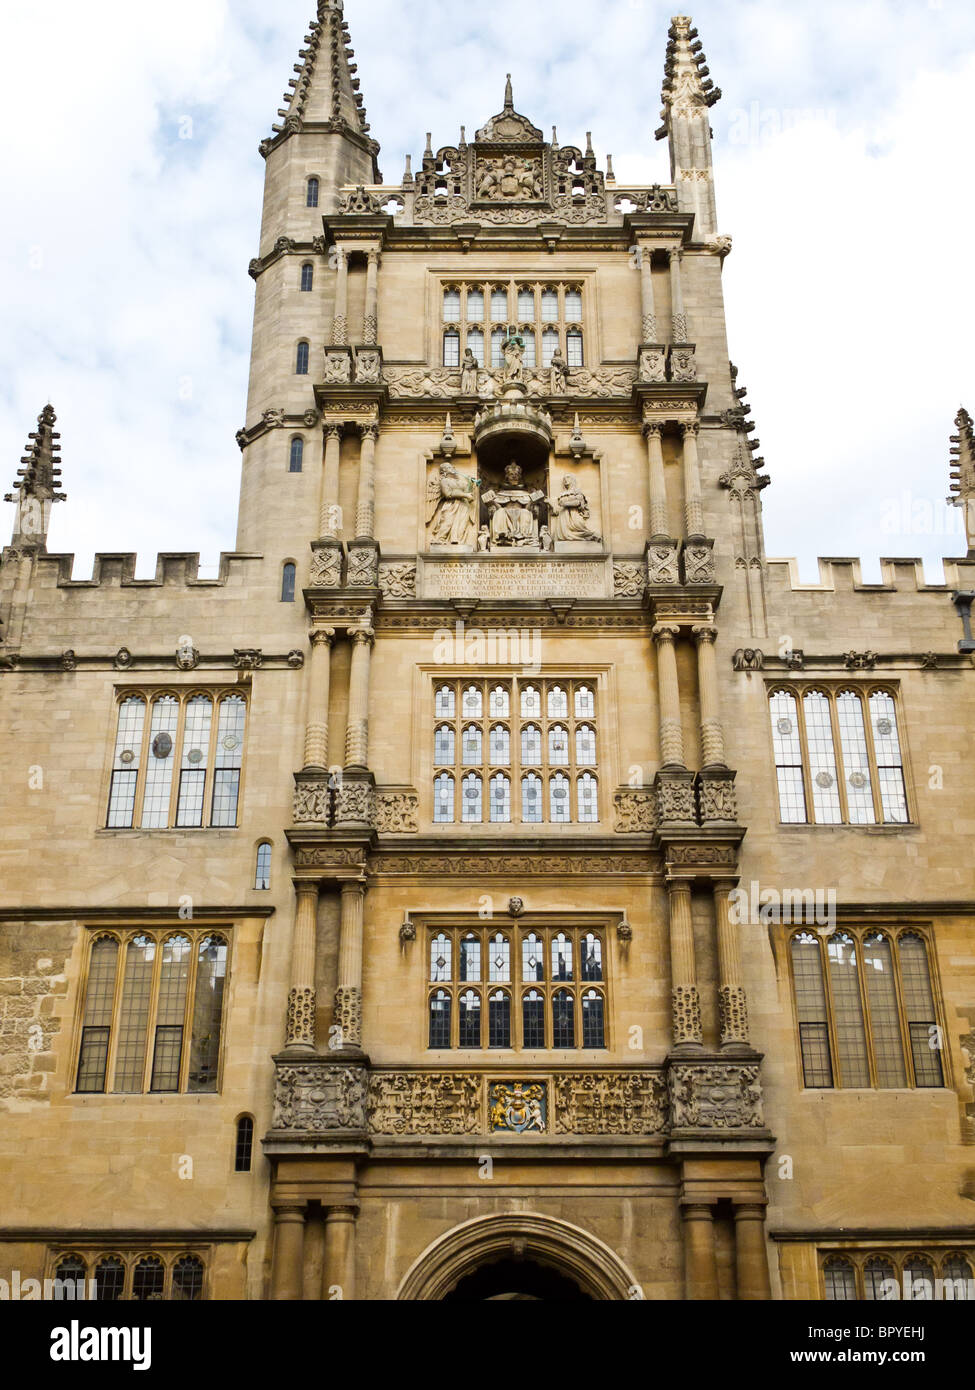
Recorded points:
(515, 579)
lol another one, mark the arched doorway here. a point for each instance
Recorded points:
(517, 1255)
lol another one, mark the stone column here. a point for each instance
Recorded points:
(316, 729)
(370, 322)
(659, 514)
(288, 1263)
(646, 294)
(328, 525)
(678, 318)
(340, 323)
(712, 733)
(301, 998)
(668, 694)
(365, 512)
(693, 509)
(357, 730)
(751, 1260)
(732, 1003)
(685, 1000)
(348, 995)
(338, 1274)
(700, 1265)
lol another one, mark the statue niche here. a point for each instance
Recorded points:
(513, 514)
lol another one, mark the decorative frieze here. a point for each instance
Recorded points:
(698, 558)
(326, 567)
(397, 812)
(683, 365)
(425, 1103)
(629, 579)
(662, 562)
(398, 580)
(355, 803)
(713, 1095)
(625, 1102)
(636, 811)
(319, 1097)
(363, 571)
(313, 803)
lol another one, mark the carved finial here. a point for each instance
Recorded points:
(509, 98)
(428, 152)
(610, 176)
(38, 483)
(408, 171)
(961, 472)
(463, 136)
(589, 148)
(555, 138)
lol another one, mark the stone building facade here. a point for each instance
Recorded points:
(502, 879)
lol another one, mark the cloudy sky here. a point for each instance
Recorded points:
(843, 154)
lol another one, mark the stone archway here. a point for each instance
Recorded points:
(568, 1251)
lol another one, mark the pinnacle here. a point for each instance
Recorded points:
(961, 468)
(41, 475)
(687, 87)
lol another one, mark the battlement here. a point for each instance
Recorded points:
(900, 573)
(110, 569)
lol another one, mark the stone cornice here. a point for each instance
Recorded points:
(202, 916)
(233, 663)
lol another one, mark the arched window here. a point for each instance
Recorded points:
(587, 787)
(558, 745)
(531, 745)
(229, 754)
(99, 1003)
(531, 703)
(593, 1030)
(592, 957)
(109, 1279)
(301, 360)
(471, 799)
(262, 870)
(562, 957)
(311, 193)
(211, 979)
(148, 1280)
(500, 702)
(877, 1272)
(443, 799)
(813, 1019)
(473, 704)
(497, 347)
(532, 958)
(140, 955)
(573, 348)
(856, 768)
(585, 744)
(499, 959)
(851, 1042)
(822, 758)
(788, 756)
(918, 1279)
(475, 306)
(563, 1019)
(526, 303)
(919, 1010)
(585, 702)
(499, 306)
(168, 1042)
(550, 303)
(573, 306)
(70, 1274)
(471, 741)
(244, 1144)
(440, 951)
(297, 455)
(559, 808)
(475, 341)
(469, 962)
(533, 1019)
(500, 745)
(531, 798)
(956, 1272)
(499, 1019)
(188, 1278)
(469, 1018)
(550, 344)
(840, 1281)
(307, 276)
(451, 306)
(444, 702)
(451, 348)
(159, 764)
(558, 703)
(886, 745)
(878, 972)
(288, 584)
(439, 1035)
(125, 768)
(443, 745)
(500, 799)
(529, 336)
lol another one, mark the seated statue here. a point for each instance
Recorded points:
(570, 515)
(513, 511)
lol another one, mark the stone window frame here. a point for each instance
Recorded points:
(857, 1258)
(130, 1253)
(832, 688)
(894, 933)
(515, 723)
(122, 937)
(183, 695)
(538, 324)
(312, 179)
(547, 926)
(296, 454)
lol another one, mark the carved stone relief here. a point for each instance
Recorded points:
(636, 812)
(424, 1103)
(318, 1097)
(610, 1103)
(710, 1095)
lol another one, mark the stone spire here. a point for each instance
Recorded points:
(324, 93)
(962, 472)
(36, 490)
(687, 95)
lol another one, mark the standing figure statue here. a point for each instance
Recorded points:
(559, 369)
(468, 374)
(513, 511)
(513, 350)
(570, 515)
(450, 506)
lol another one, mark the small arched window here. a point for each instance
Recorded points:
(840, 1281)
(588, 805)
(877, 1272)
(244, 1146)
(109, 1279)
(475, 341)
(562, 957)
(443, 745)
(530, 701)
(558, 745)
(469, 1018)
(573, 348)
(469, 959)
(531, 798)
(499, 1019)
(529, 336)
(550, 303)
(533, 1019)
(559, 808)
(262, 870)
(918, 1279)
(301, 360)
(585, 744)
(188, 1278)
(475, 306)
(526, 303)
(443, 799)
(500, 745)
(440, 951)
(573, 306)
(592, 957)
(471, 741)
(563, 1019)
(70, 1270)
(500, 799)
(473, 704)
(451, 306)
(444, 704)
(439, 1035)
(550, 343)
(451, 348)
(296, 457)
(531, 745)
(499, 306)
(497, 347)
(288, 584)
(500, 702)
(593, 1031)
(471, 799)
(307, 277)
(311, 193)
(532, 958)
(148, 1280)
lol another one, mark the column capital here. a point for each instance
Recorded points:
(665, 632)
(749, 1211)
(341, 255)
(359, 635)
(652, 429)
(372, 255)
(333, 431)
(322, 636)
(704, 633)
(291, 1210)
(353, 886)
(369, 430)
(675, 252)
(306, 887)
(678, 887)
(690, 427)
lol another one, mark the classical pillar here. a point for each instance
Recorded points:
(370, 322)
(301, 998)
(712, 734)
(732, 1003)
(677, 316)
(659, 513)
(288, 1263)
(328, 525)
(316, 729)
(668, 694)
(338, 1274)
(340, 323)
(693, 509)
(348, 995)
(700, 1265)
(646, 294)
(751, 1260)
(685, 1000)
(357, 729)
(365, 512)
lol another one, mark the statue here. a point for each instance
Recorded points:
(450, 506)
(483, 540)
(559, 369)
(545, 542)
(570, 515)
(468, 374)
(513, 511)
(513, 349)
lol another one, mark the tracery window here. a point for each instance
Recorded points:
(176, 764)
(547, 314)
(838, 756)
(141, 1276)
(522, 988)
(511, 761)
(895, 1274)
(153, 1012)
(865, 1009)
